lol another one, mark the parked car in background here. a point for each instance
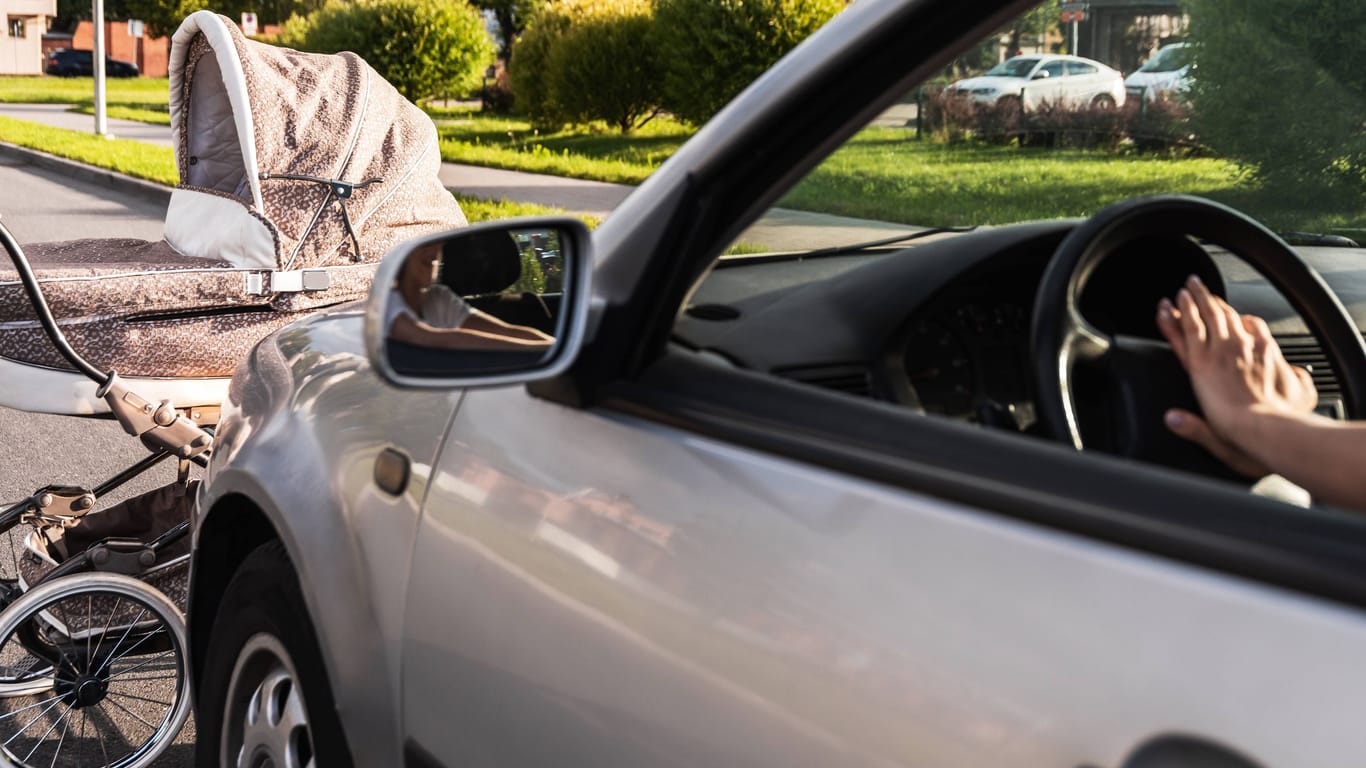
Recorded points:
(71, 62)
(1070, 80)
(1168, 72)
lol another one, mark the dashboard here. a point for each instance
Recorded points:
(944, 326)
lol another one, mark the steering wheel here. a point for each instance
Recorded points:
(1073, 359)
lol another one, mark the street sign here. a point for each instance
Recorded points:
(1071, 12)
(135, 27)
(248, 23)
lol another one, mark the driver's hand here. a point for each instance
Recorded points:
(1237, 371)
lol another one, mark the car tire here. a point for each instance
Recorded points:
(263, 658)
(1103, 101)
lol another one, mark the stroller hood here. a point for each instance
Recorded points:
(247, 116)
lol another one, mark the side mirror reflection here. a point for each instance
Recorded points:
(487, 300)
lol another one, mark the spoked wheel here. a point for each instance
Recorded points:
(118, 687)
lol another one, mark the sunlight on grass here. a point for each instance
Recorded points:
(134, 158)
(81, 90)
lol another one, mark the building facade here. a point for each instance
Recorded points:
(21, 45)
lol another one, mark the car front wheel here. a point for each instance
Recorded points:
(264, 697)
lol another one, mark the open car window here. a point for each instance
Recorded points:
(907, 266)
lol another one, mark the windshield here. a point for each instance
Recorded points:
(1285, 144)
(1013, 68)
(1169, 59)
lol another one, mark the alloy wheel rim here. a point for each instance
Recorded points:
(265, 722)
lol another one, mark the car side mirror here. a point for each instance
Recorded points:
(498, 303)
(1040, 75)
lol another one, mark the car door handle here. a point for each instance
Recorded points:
(1182, 751)
(392, 470)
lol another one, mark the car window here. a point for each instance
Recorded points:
(1053, 68)
(955, 154)
(1080, 68)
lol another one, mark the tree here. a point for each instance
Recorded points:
(712, 49)
(512, 17)
(604, 67)
(422, 47)
(1266, 72)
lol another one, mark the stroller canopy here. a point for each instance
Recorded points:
(249, 118)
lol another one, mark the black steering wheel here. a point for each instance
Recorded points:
(1101, 390)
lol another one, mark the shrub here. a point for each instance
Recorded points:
(603, 66)
(1267, 71)
(1163, 123)
(423, 47)
(529, 71)
(712, 49)
(1058, 124)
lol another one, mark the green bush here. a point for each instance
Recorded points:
(603, 67)
(529, 71)
(1280, 86)
(712, 49)
(423, 47)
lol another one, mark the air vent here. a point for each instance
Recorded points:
(1305, 352)
(850, 379)
(714, 312)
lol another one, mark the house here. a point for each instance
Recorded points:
(21, 51)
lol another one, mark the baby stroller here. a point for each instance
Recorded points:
(297, 171)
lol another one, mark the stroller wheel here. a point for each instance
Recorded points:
(115, 690)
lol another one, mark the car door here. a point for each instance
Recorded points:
(1048, 89)
(661, 558)
(1085, 82)
(598, 588)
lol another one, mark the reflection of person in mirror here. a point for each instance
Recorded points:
(425, 313)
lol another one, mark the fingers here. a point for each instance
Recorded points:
(1187, 425)
(1169, 325)
(1211, 308)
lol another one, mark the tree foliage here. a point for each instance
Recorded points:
(712, 49)
(604, 67)
(529, 72)
(512, 16)
(1280, 85)
(423, 47)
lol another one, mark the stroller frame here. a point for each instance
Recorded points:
(47, 655)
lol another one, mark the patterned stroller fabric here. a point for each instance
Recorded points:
(273, 217)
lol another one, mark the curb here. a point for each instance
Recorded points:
(126, 185)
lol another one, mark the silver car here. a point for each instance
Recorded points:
(861, 492)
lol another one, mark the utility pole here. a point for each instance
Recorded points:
(101, 129)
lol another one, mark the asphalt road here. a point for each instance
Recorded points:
(37, 206)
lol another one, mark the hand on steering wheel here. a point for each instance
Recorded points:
(1236, 368)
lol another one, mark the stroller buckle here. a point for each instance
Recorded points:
(293, 281)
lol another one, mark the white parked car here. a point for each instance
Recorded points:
(1167, 72)
(1037, 79)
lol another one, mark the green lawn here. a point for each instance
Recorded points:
(132, 91)
(882, 174)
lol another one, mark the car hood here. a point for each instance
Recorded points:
(996, 82)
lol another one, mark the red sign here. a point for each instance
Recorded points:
(1067, 16)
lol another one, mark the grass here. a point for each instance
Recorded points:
(133, 158)
(143, 114)
(598, 154)
(157, 164)
(882, 174)
(132, 91)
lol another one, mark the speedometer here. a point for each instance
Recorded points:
(940, 369)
